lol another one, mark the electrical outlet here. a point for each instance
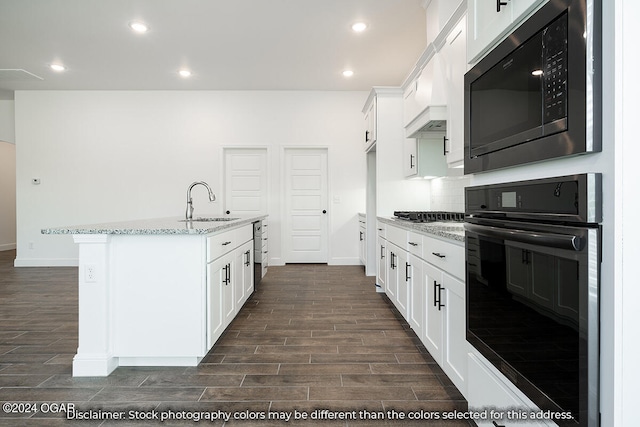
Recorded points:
(90, 273)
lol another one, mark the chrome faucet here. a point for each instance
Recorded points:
(212, 197)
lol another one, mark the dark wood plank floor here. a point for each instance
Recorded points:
(311, 338)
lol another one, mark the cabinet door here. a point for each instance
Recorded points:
(371, 124)
(392, 277)
(228, 301)
(240, 258)
(486, 24)
(454, 344)
(418, 297)
(433, 323)
(455, 66)
(404, 278)
(216, 273)
(248, 278)
(243, 284)
(410, 157)
(382, 263)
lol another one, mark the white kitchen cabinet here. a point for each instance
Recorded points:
(381, 266)
(454, 63)
(229, 278)
(417, 297)
(445, 323)
(243, 287)
(488, 23)
(371, 123)
(362, 240)
(216, 284)
(403, 278)
(425, 157)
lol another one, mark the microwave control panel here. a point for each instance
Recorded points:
(554, 50)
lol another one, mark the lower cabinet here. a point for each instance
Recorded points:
(444, 333)
(430, 296)
(381, 264)
(230, 282)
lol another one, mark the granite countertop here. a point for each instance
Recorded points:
(449, 230)
(158, 226)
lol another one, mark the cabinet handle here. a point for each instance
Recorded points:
(366, 136)
(438, 254)
(226, 279)
(444, 143)
(411, 165)
(413, 244)
(406, 271)
(499, 4)
(226, 243)
(381, 252)
(248, 262)
(393, 256)
(437, 295)
(361, 239)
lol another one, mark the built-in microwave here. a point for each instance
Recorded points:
(535, 95)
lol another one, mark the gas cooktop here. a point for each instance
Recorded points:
(429, 216)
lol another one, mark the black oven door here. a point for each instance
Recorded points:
(532, 309)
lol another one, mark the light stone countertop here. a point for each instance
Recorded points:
(449, 230)
(158, 226)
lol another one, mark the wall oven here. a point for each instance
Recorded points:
(532, 285)
(533, 97)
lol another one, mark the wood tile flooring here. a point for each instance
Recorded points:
(311, 338)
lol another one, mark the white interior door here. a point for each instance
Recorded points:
(245, 181)
(305, 216)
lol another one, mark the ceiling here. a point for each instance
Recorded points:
(227, 45)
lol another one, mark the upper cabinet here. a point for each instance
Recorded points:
(490, 20)
(434, 96)
(370, 122)
(454, 65)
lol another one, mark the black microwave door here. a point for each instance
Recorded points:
(507, 100)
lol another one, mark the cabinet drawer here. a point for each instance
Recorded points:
(220, 244)
(415, 244)
(244, 234)
(381, 229)
(444, 255)
(397, 236)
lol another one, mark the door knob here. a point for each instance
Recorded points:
(324, 211)
(228, 212)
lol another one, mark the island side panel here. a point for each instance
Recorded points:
(159, 299)
(95, 344)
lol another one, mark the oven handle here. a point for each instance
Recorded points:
(560, 241)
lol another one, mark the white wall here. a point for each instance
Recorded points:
(7, 196)
(105, 156)
(7, 121)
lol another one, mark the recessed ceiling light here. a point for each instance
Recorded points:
(57, 67)
(537, 73)
(139, 27)
(359, 27)
(184, 73)
(347, 73)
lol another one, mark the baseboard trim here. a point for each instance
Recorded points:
(45, 262)
(7, 247)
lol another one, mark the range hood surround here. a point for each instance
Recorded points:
(430, 122)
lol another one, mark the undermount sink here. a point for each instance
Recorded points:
(208, 219)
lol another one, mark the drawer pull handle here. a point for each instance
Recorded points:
(226, 243)
(413, 244)
(438, 254)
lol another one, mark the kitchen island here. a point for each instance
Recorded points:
(158, 292)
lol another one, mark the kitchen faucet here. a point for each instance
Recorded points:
(212, 197)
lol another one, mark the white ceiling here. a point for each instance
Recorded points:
(228, 45)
